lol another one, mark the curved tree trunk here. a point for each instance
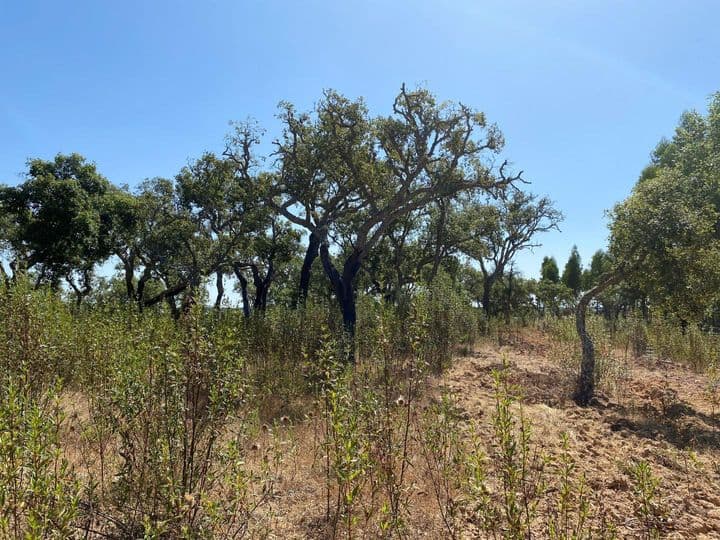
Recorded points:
(585, 389)
(344, 286)
(305, 272)
(168, 293)
(488, 283)
(243, 289)
(220, 289)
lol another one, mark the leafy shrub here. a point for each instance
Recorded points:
(39, 493)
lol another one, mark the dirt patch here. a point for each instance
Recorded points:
(662, 418)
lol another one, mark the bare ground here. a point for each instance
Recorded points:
(661, 415)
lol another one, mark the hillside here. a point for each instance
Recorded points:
(659, 414)
(662, 417)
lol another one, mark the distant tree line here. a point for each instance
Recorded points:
(384, 202)
(664, 247)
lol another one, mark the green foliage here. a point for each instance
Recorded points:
(39, 494)
(444, 454)
(448, 320)
(665, 235)
(600, 265)
(691, 346)
(549, 270)
(161, 412)
(58, 222)
(568, 518)
(648, 508)
(520, 488)
(167, 406)
(572, 274)
(554, 298)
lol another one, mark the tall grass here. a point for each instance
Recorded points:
(131, 424)
(121, 424)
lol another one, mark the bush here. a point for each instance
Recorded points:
(39, 493)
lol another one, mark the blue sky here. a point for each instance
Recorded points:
(583, 90)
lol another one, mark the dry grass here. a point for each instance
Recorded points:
(661, 416)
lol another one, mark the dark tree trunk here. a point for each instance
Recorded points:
(645, 310)
(262, 285)
(129, 285)
(4, 275)
(78, 294)
(243, 289)
(166, 294)
(220, 289)
(439, 238)
(174, 311)
(140, 290)
(488, 282)
(508, 298)
(81, 290)
(585, 390)
(129, 274)
(40, 276)
(344, 285)
(305, 272)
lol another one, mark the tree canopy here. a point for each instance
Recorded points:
(665, 237)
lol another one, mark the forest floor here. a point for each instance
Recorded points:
(658, 412)
(661, 414)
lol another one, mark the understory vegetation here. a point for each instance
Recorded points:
(379, 368)
(122, 424)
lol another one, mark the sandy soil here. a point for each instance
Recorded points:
(661, 415)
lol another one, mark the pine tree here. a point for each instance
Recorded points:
(549, 270)
(572, 275)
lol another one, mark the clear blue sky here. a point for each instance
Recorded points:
(583, 90)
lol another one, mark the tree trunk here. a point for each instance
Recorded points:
(220, 289)
(140, 290)
(508, 297)
(439, 238)
(488, 283)
(305, 272)
(585, 390)
(174, 311)
(80, 290)
(129, 273)
(344, 286)
(243, 290)
(259, 284)
(167, 293)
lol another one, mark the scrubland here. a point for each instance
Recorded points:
(432, 423)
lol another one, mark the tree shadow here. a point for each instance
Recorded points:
(551, 388)
(679, 424)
